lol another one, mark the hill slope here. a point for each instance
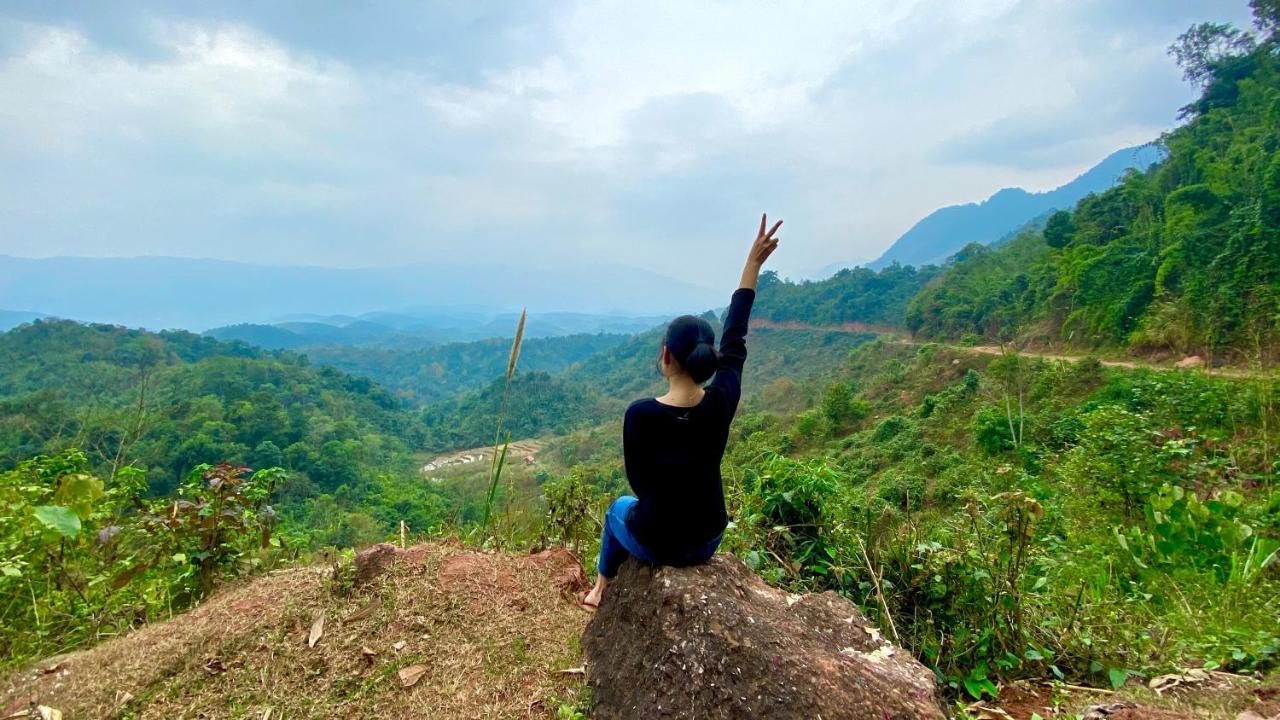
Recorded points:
(944, 231)
(490, 633)
(1182, 258)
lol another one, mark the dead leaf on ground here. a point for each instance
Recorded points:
(1164, 683)
(123, 698)
(48, 713)
(317, 631)
(363, 612)
(580, 670)
(409, 676)
(398, 646)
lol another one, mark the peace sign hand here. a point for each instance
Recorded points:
(765, 242)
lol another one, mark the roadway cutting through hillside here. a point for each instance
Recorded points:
(896, 335)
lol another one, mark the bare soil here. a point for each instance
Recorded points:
(434, 631)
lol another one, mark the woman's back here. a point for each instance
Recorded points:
(673, 453)
(673, 449)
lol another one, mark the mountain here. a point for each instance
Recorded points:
(196, 294)
(10, 319)
(1179, 260)
(420, 328)
(943, 232)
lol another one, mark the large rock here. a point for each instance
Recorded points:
(714, 641)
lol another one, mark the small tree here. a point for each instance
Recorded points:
(1059, 229)
(221, 515)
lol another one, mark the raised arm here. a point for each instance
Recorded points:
(733, 338)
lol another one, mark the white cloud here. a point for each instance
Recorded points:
(646, 133)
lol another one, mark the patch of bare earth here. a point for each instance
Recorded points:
(433, 631)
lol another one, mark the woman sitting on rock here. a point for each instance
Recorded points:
(673, 444)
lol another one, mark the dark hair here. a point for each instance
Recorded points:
(691, 342)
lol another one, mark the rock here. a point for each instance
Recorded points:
(373, 561)
(1191, 361)
(564, 568)
(713, 641)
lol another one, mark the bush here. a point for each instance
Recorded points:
(991, 431)
(82, 557)
(572, 511)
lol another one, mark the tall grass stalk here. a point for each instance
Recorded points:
(500, 456)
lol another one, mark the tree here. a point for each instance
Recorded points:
(1266, 17)
(1059, 230)
(1201, 48)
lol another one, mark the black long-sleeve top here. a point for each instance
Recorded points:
(673, 453)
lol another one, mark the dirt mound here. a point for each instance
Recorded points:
(433, 631)
(714, 641)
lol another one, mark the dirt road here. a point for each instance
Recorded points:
(897, 336)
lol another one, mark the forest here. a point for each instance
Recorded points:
(943, 445)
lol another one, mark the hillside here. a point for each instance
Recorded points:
(940, 234)
(437, 372)
(443, 632)
(1074, 496)
(152, 408)
(169, 401)
(876, 298)
(426, 327)
(1179, 259)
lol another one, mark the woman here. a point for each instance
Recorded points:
(673, 444)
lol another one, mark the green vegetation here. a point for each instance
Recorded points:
(539, 403)
(161, 405)
(170, 401)
(1182, 258)
(1110, 522)
(431, 374)
(855, 295)
(82, 558)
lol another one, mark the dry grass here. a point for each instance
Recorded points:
(493, 631)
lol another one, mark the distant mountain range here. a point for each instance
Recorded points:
(945, 231)
(10, 319)
(197, 294)
(423, 327)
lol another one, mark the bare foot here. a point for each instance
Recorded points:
(591, 600)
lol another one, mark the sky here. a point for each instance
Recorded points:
(648, 135)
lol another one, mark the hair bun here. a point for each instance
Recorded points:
(702, 362)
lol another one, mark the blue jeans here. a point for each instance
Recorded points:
(617, 543)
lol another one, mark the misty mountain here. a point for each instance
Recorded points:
(426, 327)
(945, 231)
(196, 294)
(10, 319)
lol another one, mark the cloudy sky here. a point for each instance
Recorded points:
(647, 134)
